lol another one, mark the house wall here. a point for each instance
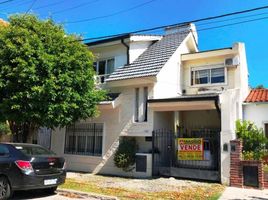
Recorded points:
(171, 80)
(241, 79)
(168, 79)
(163, 120)
(137, 48)
(116, 51)
(229, 104)
(232, 95)
(257, 113)
(117, 122)
(186, 82)
(200, 119)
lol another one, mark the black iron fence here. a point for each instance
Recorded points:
(165, 149)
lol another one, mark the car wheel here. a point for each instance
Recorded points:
(5, 189)
(51, 190)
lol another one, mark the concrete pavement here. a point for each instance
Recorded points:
(232, 193)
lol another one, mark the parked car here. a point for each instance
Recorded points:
(27, 167)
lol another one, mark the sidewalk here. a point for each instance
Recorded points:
(232, 193)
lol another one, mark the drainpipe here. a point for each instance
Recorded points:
(217, 107)
(127, 47)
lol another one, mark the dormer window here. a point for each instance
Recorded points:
(104, 68)
(208, 75)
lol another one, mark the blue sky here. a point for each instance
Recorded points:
(157, 13)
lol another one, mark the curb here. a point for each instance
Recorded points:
(87, 194)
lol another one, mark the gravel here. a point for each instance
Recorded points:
(142, 185)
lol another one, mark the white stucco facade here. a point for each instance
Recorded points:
(173, 80)
(257, 113)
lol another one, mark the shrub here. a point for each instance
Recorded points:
(125, 155)
(254, 140)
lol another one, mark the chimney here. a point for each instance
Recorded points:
(182, 28)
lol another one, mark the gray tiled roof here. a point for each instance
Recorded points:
(150, 62)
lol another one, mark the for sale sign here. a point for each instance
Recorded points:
(190, 149)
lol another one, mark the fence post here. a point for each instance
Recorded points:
(236, 173)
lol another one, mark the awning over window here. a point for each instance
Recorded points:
(186, 102)
(111, 102)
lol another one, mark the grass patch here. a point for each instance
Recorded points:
(216, 196)
(209, 192)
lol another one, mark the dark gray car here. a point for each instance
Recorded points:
(27, 167)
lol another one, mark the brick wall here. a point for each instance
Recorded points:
(265, 181)
(236, 169)
(236, 173)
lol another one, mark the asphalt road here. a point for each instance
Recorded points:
(40, 195)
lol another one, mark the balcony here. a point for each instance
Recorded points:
(101, 79)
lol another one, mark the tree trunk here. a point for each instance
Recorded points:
(22, 132)
(30, 135)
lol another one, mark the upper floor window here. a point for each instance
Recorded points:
(201, 76)
(103, 68)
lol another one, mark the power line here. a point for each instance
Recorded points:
(16, 5)
(179, 24)
(31, 6)
(8, 1)
(112, 14)
(49, 5)
(231, 24)
(219, 21)
(74, 7)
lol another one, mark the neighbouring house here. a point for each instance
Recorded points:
(171, 97)
(255, 108)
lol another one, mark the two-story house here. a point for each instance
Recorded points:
(163, 92)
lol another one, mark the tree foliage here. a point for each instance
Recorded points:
(254, 140)
(126, 154)
(4, 128)
(261, 86)
(46, 75)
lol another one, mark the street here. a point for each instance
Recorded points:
(40, 195)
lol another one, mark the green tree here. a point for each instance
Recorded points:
(46, 76)
(259, 86)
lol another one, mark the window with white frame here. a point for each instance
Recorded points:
(141, 97)
(145, 98)
(84, 139)
(208, 75)
(137, 98)
(105, 66)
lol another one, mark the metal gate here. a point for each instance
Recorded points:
(44, 137)
(165, 154)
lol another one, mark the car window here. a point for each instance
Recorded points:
(3, 150)
(33, 150)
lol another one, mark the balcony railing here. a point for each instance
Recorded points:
(100, 79)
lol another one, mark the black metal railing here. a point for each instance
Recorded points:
(84, 139)
(165, 149)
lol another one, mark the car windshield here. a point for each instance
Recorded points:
(33, 150)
